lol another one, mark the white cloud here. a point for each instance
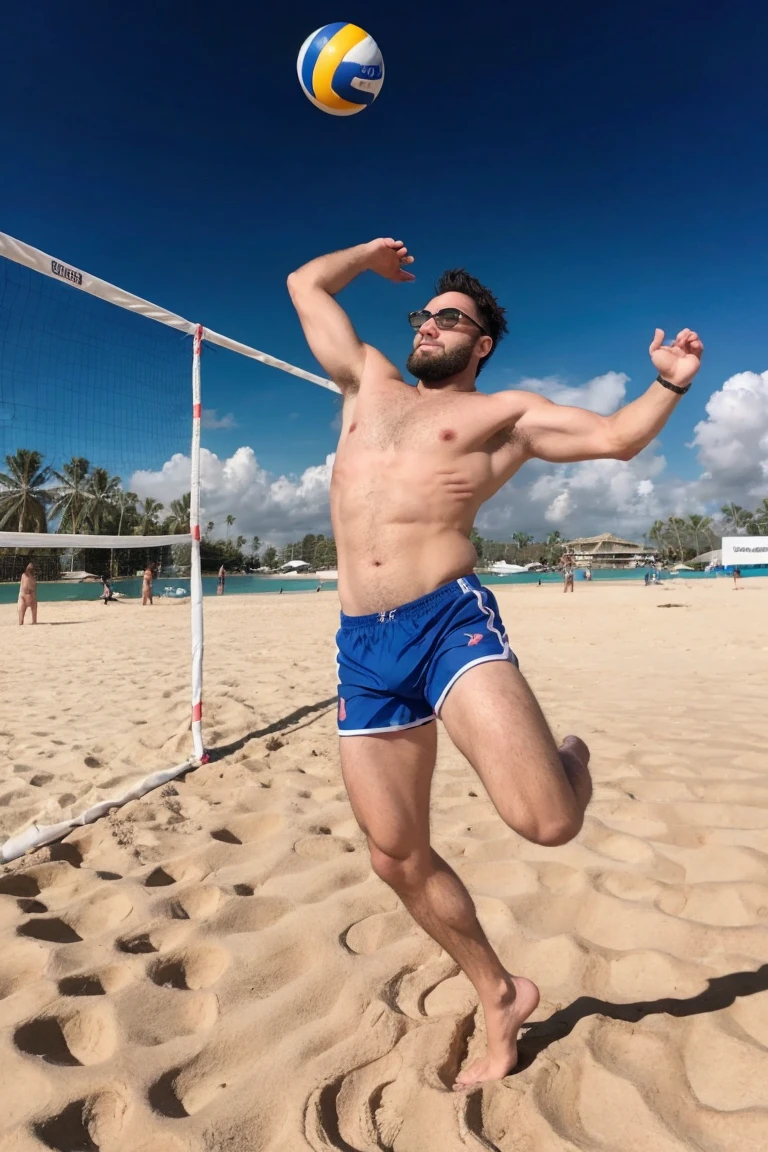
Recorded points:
(276, 508)
(732, 442)
(580, 499)
(212, 422)
(602, 394)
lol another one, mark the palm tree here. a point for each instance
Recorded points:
(760, 517)
(677, 527)
(697, 525)
(178, 521)
(103, 490)
(555, 544)
(239, 542)
(522, 540)
(256, 544)
(148, 517)
(738, 518)
(23, 495)
(125, 503)
(72, 497)
(209, 527)
(657, 534)
(230, 521)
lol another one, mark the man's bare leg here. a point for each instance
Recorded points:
(539, 790)
(388, 781)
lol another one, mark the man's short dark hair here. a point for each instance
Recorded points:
(492, 315)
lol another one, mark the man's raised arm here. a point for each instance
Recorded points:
(562, 434)
(328, 329)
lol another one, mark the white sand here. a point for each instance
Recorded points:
(215, 967)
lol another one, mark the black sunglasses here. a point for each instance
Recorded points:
(444, 318)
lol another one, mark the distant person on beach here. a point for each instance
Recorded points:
(222, 581)
(736, 577)
(28, 593)
(146, 587)
(420, 635)
(106, 589)
(568, 579)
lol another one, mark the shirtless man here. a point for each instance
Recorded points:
(420, 637)
(28, 594)
(146, 587)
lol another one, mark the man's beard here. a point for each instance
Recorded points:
(435, 368)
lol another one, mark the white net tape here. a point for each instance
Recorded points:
(86, 540)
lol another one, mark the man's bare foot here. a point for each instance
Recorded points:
(502, 1024)
(574, 756)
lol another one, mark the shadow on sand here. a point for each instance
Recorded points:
(721, 993)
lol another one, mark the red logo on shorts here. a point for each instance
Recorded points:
(474, 638)
(342, 709)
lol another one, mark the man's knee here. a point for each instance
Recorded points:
(400, 868)
(551, 830)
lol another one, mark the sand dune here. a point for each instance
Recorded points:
(215, 967)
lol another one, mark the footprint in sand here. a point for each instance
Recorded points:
(246, 829)
(162, 934)
(195, 904)
(82, 1035)
(151, 1015)
(182, 1092)
(102, 982)
(100, 913)
(731, 904)
(91, 1123)
(198, 966)
(52, 930)
(253, 915)
(376, 931)
(322, 847)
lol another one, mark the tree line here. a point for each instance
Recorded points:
(81, 498)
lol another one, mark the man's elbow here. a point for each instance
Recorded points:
(625, 452)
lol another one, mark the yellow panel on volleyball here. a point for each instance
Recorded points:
(340, 69)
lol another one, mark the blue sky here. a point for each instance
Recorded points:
(603, 169)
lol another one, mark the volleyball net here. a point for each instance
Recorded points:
(99, 391)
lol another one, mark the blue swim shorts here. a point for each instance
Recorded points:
(396, 668)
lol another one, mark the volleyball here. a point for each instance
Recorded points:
(340, 69)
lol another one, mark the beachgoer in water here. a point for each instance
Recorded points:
(28, 593)
(420, 636)
(222, 581)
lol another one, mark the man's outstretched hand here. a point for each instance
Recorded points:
(387, 257)
(679, 361)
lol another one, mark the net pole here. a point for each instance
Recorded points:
(195, 574)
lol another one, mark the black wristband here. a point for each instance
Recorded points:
(672, 387)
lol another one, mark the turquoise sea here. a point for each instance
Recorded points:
(62, 590)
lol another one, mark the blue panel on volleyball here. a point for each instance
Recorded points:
(314, 50)
(342, 83)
